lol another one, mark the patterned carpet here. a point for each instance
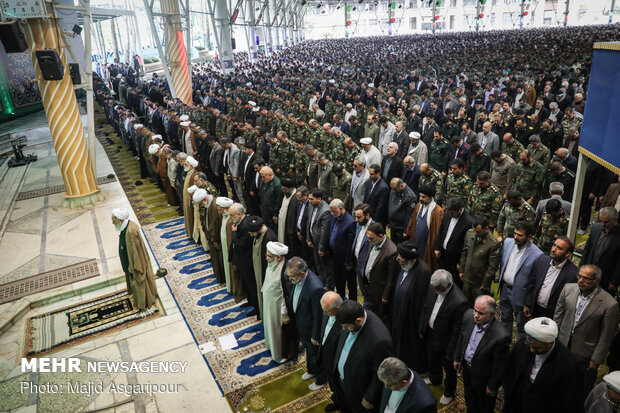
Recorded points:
(147, 200)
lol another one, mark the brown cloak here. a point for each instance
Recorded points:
(140, 279)
(188, 208)
(436, 216)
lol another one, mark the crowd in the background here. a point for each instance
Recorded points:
(431, 173)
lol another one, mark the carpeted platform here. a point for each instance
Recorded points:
(70, 325)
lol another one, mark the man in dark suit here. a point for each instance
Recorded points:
(451, 237)
(411, 174)
(459, 149)
(241, 255)
(247, 175)
(317, 234)
(549, 275)
(289, 224)
(379, 270)
(361, 349)
(480, 352)
(397, 378)
(440, 324)
(304, 307)
(428, 129)
(341, 233)
(538, 369)
(392, 165)
(329, 336)
(603, 248)
(376, 194)
(301, 222)
(216, 164)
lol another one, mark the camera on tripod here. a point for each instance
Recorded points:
(20, 159)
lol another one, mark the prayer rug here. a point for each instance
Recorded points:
(147, 200)
(70, 325)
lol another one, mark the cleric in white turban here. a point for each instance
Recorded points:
(153, 148)
(189, 187)
(135, 262)
(605, 398)
(273, 300)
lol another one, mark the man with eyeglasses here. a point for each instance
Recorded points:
(605, 398)
(541, 374)
(587, 317)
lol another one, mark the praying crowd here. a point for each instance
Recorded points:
(432, 175)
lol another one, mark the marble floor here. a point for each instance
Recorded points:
(38, 235)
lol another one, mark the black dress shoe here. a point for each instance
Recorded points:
(252, 313)
(331, 407)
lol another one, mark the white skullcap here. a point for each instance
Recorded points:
(542, 329)
(193, 162)
(192, 189)
(120, 213)
(612, 379)
(366, 141)
(251, 103)
(332, 81)
(277, 248)
(138, 126)
(371, 85)
(184, 118)
(199, 195)
(349, 105)
(255, 109)
(248, 84)
(153, 149)
(157, 137)
(224, 202)
(185, 123)
(414, 135)
(119, 76)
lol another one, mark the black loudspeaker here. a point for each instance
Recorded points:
(234, 43)
(74, 71)
(12, 37)
(50, 64)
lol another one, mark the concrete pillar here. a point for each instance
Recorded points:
(275, 35)
(175, 49)
(223, 27)
(251, 30)
(267, 30)
(63, 117)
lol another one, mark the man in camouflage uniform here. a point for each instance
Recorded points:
(432, 178)
(342, 185)
(485, 199)
(553, 224)
(312, 170)
(570, 121)
(372, 130)
(300, 162)
(529, 176)
(286, 152)
(515, 209)
(478, 161)
(540, 153)
(511, 146)
(336, 151)
(458, 184)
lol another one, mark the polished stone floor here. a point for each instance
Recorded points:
(38, 235)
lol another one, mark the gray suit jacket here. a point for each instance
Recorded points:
(596, 327)
(358, 195)
(216, 159)
(234, 155)
(492, 142)
(318, 231)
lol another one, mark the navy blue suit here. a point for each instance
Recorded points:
(377, 198)
(308, 316)
(418, 398)
(568, 274)
(341, 252)
(411, 177)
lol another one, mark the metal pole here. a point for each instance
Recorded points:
(250, 30)
(114, 40)
(226, 53)
(90, 106)
(275, 35)
(160, 51)
(434, 15)
(477, 16)
(566, 12)
(522, 11)
(611, 11)
(574, 211)
(138, 39)
(102, 42)
(267, 29)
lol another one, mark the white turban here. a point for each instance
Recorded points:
(371, 85)
(542, 329)
(414, 135)
(223, 202)
(138, 126)
(366, 141)
(185, 123)
(277, 248)
(613, 380)
(119, 76)
(199, 195)
(248, 84)
(255, 109)
(251, 103)
(184, 118)
(120, 213)
(192, 189)
(157, 137)
(153, 148)
(332, 81)
(193, 162)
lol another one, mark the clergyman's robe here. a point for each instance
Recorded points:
(137, 266)
(188, 207)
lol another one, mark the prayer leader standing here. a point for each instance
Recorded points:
(135, 261)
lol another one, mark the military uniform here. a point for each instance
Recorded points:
(476, 164)
(458, 187)
(342, 188)
(434, 180)
(541, 154)
(486, 202)
(566, 178)
(548, 230)
(567, 123)
(350, 155)
(509, 216)
(479, 262)
(450, 130)
(438, 155)
(528, 180)
(513, 149)
(301, 164)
